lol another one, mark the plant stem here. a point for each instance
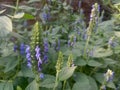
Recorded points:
(64, 84)
(56, 81)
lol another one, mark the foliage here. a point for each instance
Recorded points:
(58, 50)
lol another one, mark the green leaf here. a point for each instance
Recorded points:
(111, 85)
(94, 63)
(26, 72)
(93, 84)
(109, 61)
(99, 77)
(117, 33)
(6, 86)
(48, 81)
(19, 15)
(66, 73)
(32, 86)
(11, 64)
(82, 82)
(80, 62)
(28, 16)
(5, 26)
(101, 52)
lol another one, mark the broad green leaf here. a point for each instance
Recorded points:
(111, 85)
(99, 77)
(82, 82)
(94, 63)
(32, 86)
(5, 26)
(6, 86)
(109, 61)
(66, 73)
(48, 81)
(79, 61)
(101, 52)
(19, 15)
(11, 64)
(26, 72)
(76, 52)
(28, 16)
(93, 84)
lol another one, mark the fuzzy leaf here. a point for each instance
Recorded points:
(66, 73)
(5, 26)
(33, 86)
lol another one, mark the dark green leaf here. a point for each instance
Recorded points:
(26, 72)
(11, 64)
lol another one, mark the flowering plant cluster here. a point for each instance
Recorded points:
(49, 46)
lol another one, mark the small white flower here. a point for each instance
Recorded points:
(109, 75)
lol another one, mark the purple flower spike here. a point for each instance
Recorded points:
(45, 16)
(39, 64)
(45, 46)
(45, 58)
(15, 48)
(37, 50)
(22, 49)
(29, 64)
(41, 75)
(28, 56)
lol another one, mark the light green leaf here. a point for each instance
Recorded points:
(28, 16)
(117, 33)
(66, 73)
(109, 61)
(111, 85)
(19, 15)
(5, 26)
(6, 86)
(94, 63)
(48, 81)
(101, 52)
(32, 86)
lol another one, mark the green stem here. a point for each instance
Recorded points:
(86, 45)
(56, 81)
(64, 84)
